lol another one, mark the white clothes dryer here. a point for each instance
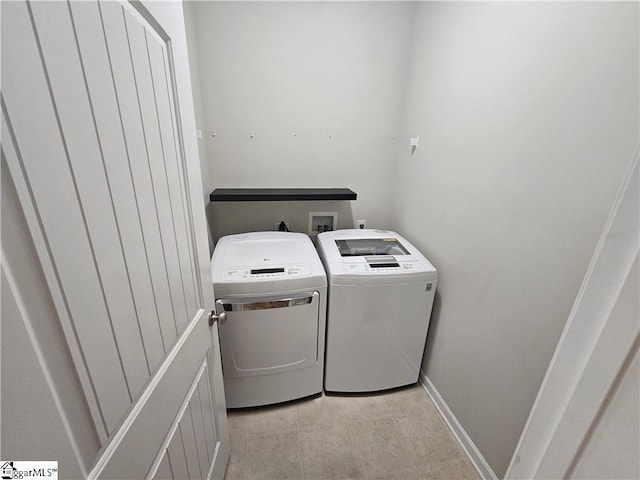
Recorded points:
(273, 289)
(381, 291)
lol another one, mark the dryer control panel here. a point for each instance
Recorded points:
(258, 273)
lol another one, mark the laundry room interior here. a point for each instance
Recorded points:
(320, 239)
(494, 136)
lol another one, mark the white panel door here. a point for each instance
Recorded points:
(98, 138)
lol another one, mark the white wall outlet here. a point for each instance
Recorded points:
(277, 226)
(362, 224)
(414, 144)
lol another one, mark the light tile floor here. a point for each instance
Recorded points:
(394, 435)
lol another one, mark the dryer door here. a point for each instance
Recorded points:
(267, 334)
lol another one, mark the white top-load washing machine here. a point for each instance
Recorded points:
(381, 291)
(273, 289)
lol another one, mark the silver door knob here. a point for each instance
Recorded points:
(221, 319)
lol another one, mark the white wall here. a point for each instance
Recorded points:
(612, 451)
(194, 69)
(528, 117)
(228, 218)
(318, 83)
(189, 21)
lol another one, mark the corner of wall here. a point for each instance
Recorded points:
(192, 49)
(473, 453)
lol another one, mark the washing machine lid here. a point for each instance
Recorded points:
(265, 262)
(368, 246)
(378, 255)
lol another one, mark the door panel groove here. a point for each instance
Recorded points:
(189, 464)
(185, 420)
(110, 419)
(147, 132)
(109, 187)
(163, 472)
(55, 282)
(75, 184)
(161, 391)
(157, 60)
(194, 404)
(177, 455)
(123, 78)
(67, 83)
(119, 168)
(208, 412)
(195, 439)
(212, 402)
(182, 159)
(155, 362)
(166, 452)
(173, 170)
(192, 445)
(166, 179)
(180, 417)
(207, 439)
(20, 303)
(178, 160)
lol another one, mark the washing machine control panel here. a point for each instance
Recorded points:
(381, 267)
(266, 273)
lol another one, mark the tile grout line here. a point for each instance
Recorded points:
(414, 460)
(300, 464)
(350, 434)
(299, 441)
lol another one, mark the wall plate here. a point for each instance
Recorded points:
(322, 222)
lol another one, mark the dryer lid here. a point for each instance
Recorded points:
(261, 251)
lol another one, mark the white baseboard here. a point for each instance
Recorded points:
(478, 461)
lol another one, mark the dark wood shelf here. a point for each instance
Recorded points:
(280, 194)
